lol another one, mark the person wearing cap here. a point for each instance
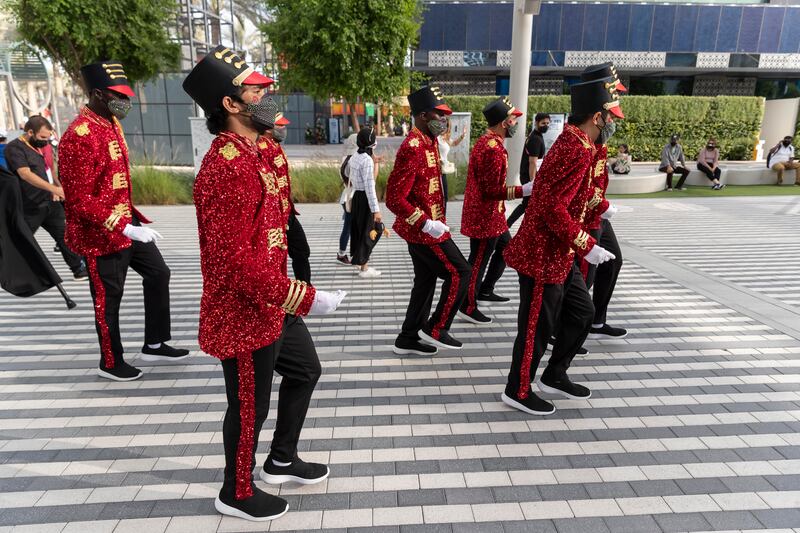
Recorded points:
(414, 194)
(598, 223)
(544, 248)
(270, 146)
(672, 160)
(250, 310)
(105, 227)
(483, 217)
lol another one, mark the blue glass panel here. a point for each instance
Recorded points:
(432, 31)
(750, 30)
(790, 36)
(594, 27)
(685, 24)
(540, 58)
(478, 18)
(728, 33)
(619, 17)
(572, 26)
(705, 37)
(663, 28)
(641, 24)
(771, 30)
(455, 27)
(548, 27)
(502, 18)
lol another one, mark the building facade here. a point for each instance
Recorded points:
(696, 48)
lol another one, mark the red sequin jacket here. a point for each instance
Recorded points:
(483, 216)
(273, 154)
(246, 291)
(552, 230)
(414, 189)
(598, 203)
(95, 172)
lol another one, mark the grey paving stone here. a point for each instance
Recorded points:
(580, 525)
(682, 522)
(665, 487)
(407, 498)
(632, 524)
(427, 528)
(610, 490)
(572, 491)
(314, 502)
(21, 516)
(778, 518)
(120, 511)
(530, 526)
(361, 500)
(750, 483)
(463, 496)
(788, 482)
(733, 520)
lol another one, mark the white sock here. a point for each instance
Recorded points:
(598, 326)
(278, 463)
(342, 252)
(154, 346)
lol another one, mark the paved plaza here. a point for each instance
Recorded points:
(694, 422)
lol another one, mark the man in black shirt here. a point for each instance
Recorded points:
(41, 191)
(532, 156)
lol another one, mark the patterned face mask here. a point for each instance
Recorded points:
(437, 127)
(607, 132)
(262, 113)
(119, 107)
(512, 129)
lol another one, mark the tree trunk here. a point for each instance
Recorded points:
(353, 116)
(379, 123)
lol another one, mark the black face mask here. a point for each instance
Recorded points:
(673, 143)
(787, 143)
(39, 143)
(710, 146)
(543, 129)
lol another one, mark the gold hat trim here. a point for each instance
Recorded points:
(238, 80)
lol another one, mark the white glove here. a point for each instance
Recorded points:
(610, 212)
(527, 189)
(326, 302)
(598, 255)
(434, 228)
(141, 233)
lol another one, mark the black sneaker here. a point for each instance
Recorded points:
(609, 331)
(563, 386)
(581, 350)
(81, 273)
(407, 347)
(492, 297)
(343, 259)
(476, 317)
(121, 372)
(533, 405)
(163, 353)
(445, 340)
(259, 507)
(299, 472)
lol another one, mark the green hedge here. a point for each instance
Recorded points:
(734, 121)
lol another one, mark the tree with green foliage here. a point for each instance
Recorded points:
(76, 32)
(344, 48)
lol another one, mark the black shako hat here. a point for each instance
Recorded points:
(603, 70)
(589, 97)
(498, 110)
(220, 73)
(107, 74)
(426, 99)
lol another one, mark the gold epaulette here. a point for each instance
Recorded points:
(229, 151)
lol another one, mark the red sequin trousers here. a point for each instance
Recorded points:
(100, 311)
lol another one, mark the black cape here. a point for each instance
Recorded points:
(24, 269)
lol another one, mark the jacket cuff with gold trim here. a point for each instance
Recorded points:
(583, 243)
(299, 298)
(416, 219)
(513, 192)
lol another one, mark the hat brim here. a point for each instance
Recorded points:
(256, 78)
(617, 112)
(621, 88)
(123, 89)
(444, 108)
(516, 113)
(283, 121)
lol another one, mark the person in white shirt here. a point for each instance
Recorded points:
(445, 143)
(350, 148)
(781, 157)
(364, 209)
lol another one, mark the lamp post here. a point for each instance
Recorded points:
(522, 30)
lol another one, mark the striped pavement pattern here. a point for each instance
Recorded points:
(694, 422)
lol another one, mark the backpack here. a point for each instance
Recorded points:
(344, 171)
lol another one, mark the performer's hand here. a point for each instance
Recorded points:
(610, 212)
(141, 233)
(326, 302)
(434, 228)
(598, 255)
(376, 217)
(527, 189)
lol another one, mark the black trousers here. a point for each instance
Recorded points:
(605, 278)
(518, 211)
(568, 303)
(684, 172)
(299, 251)
(709, 174)
(248, 385)
(50, 216)
(445, 261)
(574, 320)
(107, 274)
(496, 266)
